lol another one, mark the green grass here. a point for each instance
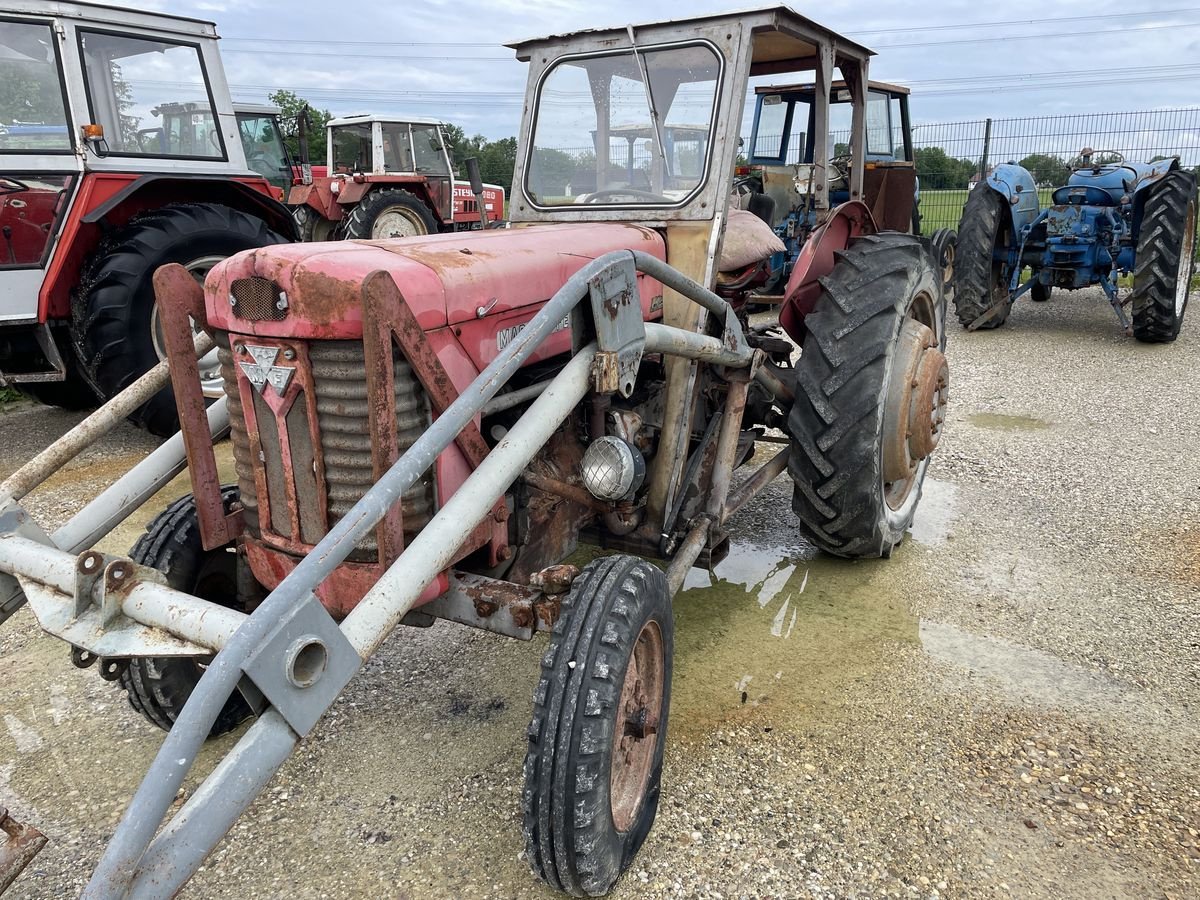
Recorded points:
(8, 395)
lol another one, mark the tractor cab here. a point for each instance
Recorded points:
(781, 149)
(641, 125)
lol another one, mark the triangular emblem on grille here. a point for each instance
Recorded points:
(263, 370)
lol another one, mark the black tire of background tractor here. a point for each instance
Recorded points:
(112, 307)
(842, 378)
(1165, 259)
(977, 277)
(1040, 293)
(158, 687)
(312, 226)
(571, 834)
(361, 221)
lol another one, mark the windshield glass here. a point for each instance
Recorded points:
(596, 139)
(397, 148)
(879, 129)
(428, 153)
(133, 89)
(351, 148)
(264, 148)
(32, 115)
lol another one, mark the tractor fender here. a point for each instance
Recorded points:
(1019, 190)
(148, 191)
(817, 259)
(1141, 191)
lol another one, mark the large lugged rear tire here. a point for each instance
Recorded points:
(871, 389)
(596, 741)
(158, 687)
(390, 213)
(113, 309)
(1166, 260)
(980, 282)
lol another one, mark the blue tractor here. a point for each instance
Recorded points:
(1111, 218)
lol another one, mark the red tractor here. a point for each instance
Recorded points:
(105, 175)
(428, 427)
(389, 178)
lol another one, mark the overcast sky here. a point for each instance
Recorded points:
(411, 58)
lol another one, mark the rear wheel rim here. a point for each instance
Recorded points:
(636, 732)
(210, 368)
(915, 409)
(397, 222)
(1187, 249)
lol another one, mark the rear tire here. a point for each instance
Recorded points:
(980, 282)
(312, 226)
(1166, 261)
(113, 309)
(390, 213)
(158, 687)
(594, 765)
(861, 431)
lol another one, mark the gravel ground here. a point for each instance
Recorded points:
(1007, 707)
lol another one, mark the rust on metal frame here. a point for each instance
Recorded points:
(21, 845)
(179, 296)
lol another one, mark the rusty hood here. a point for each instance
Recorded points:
(445, 279)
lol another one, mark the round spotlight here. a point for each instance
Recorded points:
(613, 469)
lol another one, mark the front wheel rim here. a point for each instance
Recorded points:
(209, 365)
(636, 732)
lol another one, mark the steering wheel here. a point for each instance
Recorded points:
(841, 165)
(10, 185)
(596, 196)
(1084, 159)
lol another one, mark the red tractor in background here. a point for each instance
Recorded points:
(389, 178)
(102, 180)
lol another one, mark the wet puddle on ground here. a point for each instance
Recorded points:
(936, 513)
(1001, 422)
(773, 632)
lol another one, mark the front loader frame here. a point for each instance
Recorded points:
(289, 658)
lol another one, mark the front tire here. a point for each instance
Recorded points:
(1040, 293)
(390, 213)
(158, 687)
(871, 390)
(980, 281)
(594, 764)
(113, 317)
(1166, 259)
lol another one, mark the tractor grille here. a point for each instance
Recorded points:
(343, 433)
(339, 375)
(258, 299)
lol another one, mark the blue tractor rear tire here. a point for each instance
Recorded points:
(1165, 259)
(980, 283)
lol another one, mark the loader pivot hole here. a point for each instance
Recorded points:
(636, 734)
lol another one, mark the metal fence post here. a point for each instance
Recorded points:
(987, 146)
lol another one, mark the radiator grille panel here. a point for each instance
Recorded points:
(258, 299)
(339, 376)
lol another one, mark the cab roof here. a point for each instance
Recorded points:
(120, 16)
(783, 39)
(368, 118)
(808, 88)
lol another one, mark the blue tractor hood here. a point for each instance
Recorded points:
(1112, 181)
